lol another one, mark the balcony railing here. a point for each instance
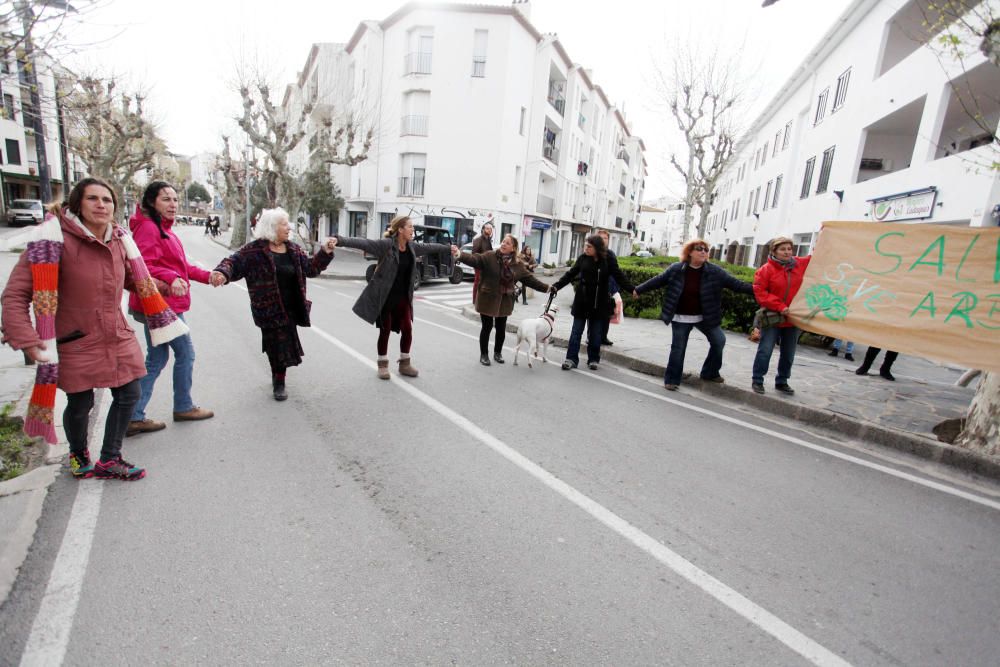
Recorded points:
(623, 156)
(417, 63)
(556, 98)
(551, 153)
(413, 126)
(411, 186)
(545, 204)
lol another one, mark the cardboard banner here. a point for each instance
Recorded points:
(932, 291)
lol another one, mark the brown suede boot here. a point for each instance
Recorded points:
(406, 369)
(383, 369)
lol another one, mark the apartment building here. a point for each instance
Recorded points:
(872, 126)
(661, 225)
(479, 117)
(19, 170)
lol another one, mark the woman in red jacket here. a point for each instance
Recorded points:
(95, 345)
(774, 286)
(152, 229)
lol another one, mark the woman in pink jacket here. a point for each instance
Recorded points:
(152, 229)
(96, 347)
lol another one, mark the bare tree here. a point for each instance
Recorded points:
(41, 26)
(704, 92)
(109, 130)
(230, 180)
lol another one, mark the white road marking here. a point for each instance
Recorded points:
(50, 631)
(937, 486)
(763, 619)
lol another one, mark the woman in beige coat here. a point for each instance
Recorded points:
(500, 270)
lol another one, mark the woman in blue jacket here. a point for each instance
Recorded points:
(693, 300)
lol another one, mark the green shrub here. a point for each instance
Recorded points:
(569, 263)
(737, 309)
(13, 444)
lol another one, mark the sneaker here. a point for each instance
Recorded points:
(670, 387)
(849, 356)
(193, 415)
(784, 389)
(80, 465)
(118, 468)
(718, 379)
(592, 365)
(568, 365)
(143, 426)
(834, 352)
(757, 387)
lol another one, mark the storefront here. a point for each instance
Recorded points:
(462, 230)
(534, 233)
(357, 224)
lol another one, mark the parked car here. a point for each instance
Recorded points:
(643, 253)
(432, 266)
(25, 212)
(467, 271)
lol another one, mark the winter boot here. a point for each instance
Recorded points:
(405, 368)
(383, 369)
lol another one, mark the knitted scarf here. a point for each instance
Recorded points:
(44, 254)
(787, 264)
(506, 273)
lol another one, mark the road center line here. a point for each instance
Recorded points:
(763, 619)
(53, 624)
(937, 486)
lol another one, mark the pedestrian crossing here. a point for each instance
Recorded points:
(446, 294)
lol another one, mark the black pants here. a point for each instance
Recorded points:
(872, 352)
(76, 419)
(484, 334)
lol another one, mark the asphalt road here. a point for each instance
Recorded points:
(490, 516)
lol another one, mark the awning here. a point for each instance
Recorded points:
(582, 229)
(13, 176)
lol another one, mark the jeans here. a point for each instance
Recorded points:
(768, 337)
(849, 349)
(678, 346)
(76, 419)
(156, 360)
(596, 328)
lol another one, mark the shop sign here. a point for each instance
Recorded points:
(914, 205)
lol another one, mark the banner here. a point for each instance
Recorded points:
(932, 291)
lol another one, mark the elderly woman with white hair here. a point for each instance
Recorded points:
(276, 270)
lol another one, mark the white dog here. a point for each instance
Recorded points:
(536, 331)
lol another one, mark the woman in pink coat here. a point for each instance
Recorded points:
(152, 229)
(96, 346)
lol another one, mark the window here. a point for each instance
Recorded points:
(8, 106)
(13, 152)
(421, 47)
(750, 203)
(841, 94)
(767, 194)
(821, 106)
(416, 106)
(777, 191)
(553, 241)
(479, 40)
(520, 124)
(517, 179)
(756, 199)
(788, 135)
(763, 155)
(824, 170)
(807, 178)
(777, 140)
(413, 167)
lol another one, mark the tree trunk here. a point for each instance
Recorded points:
(982, 426)
(239, 237)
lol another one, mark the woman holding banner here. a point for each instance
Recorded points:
(774, 286)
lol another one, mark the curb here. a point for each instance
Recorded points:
(919, 446)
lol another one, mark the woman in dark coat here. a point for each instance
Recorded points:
(693, 300)
(500, 271)
(592, 305)
(276, 270)
(387, 301)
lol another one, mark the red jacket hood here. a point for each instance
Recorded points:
(140, 217)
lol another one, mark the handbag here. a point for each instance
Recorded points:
(766, 318)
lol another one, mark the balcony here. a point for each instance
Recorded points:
(545, 204)
(551, 153)
(556, 98)
(621, 190)
(414, 126)
(411, 186)
(623, 156)
(417, 63)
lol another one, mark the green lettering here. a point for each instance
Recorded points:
(996, 270)
(962, 263)
(966, 301)
(876, 298)
(931, 308)
(939, 243)
(899, 258)
(993, 311)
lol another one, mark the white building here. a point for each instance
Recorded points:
(20, 171)
(661, 225)
(868, 128)
(478, 115)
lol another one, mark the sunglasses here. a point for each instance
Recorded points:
(701, 248)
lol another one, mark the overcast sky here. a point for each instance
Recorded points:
(185, 51)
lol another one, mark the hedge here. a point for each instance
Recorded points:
(737, 309)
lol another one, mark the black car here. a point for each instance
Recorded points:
(434, 265)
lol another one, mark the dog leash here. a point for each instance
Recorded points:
(548, 304)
